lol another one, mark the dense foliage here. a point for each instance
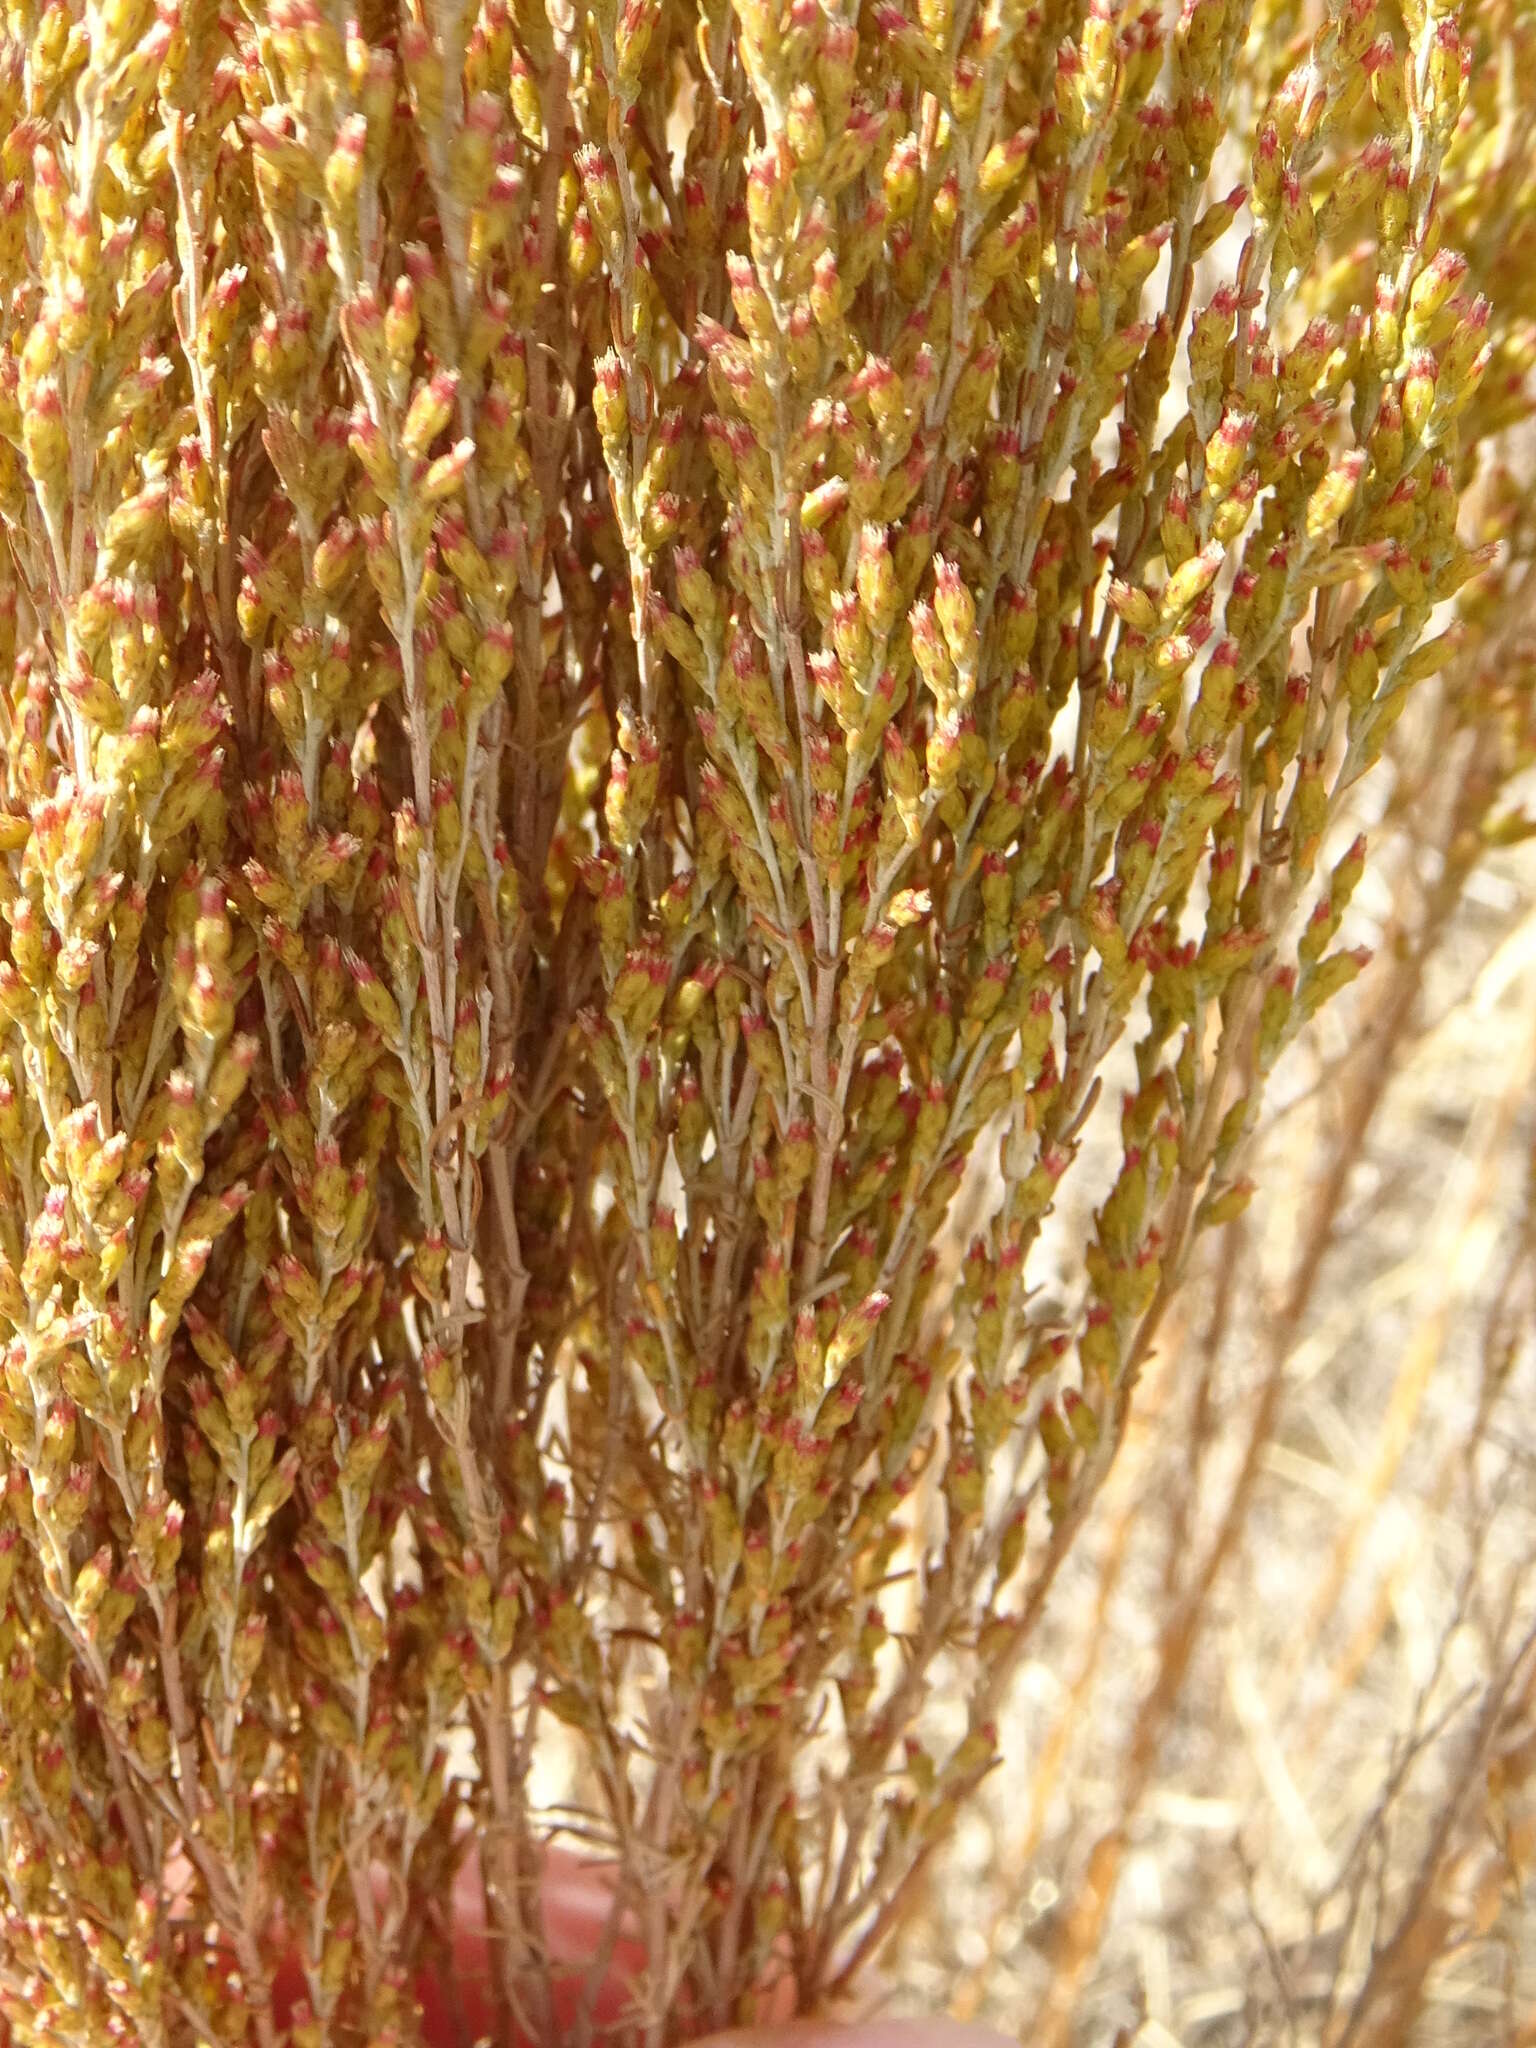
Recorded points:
(636, 639)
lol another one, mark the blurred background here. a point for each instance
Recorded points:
(1270, 1776)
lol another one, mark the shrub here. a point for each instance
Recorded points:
(638, 640)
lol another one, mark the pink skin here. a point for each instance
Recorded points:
(576, 1904)
(459, 2007)
(576, 1901)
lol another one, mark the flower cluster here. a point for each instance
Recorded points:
(635, 638)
